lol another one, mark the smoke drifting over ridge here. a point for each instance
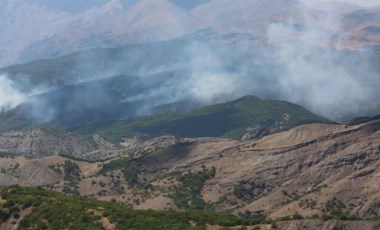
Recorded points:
(298, 64)
(327, 81)
(10, 96)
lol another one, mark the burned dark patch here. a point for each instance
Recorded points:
(164, 158)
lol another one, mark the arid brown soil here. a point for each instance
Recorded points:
(314, 169)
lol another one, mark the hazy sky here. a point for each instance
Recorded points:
(75, 6)
(358, 2)
(364, 2)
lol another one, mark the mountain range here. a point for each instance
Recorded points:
(142, 79)
(46, 32)
(178, 114)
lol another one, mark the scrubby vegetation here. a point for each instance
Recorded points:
(57, 168)
(307, 203)
(336, 209)
(72, 171)
(10, 168)
(7, 155)
(187, 194)
(130, 168)
(250, 190)
(52, 210)
(72, 176)
(71, 157)
(295, 196)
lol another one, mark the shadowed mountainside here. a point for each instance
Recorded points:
(229, 119)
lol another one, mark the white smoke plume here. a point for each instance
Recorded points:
(297, 64)
(10, 95)
(319, 76)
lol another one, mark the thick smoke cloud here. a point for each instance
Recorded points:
(10, 95)
(298, 64)
(327, 81)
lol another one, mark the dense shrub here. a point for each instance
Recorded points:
(187, 194)
(52, 210)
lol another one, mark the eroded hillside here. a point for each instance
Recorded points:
(316, 170)
(38, 142)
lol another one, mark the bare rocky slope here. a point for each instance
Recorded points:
(37, 143)
(314, 170)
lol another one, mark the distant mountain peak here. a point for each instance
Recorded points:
(108, 7)
(114, 3)
(247, 99)
(333, 6)
(148, 13)
(248, 16)
(158, 4)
